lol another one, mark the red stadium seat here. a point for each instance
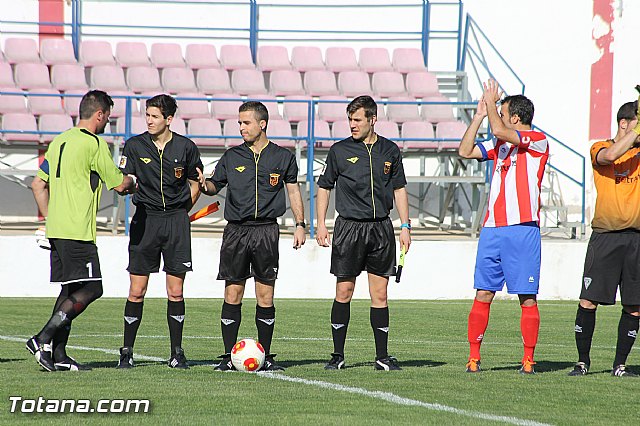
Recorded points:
(296, 111)
(320, 83)
(418, 130)
(21, 50)
(57, 123)
(388, 83)
(6, 75)
(12, 103)
(45, 104)
(437, 113)
(68, 77)
(223, 110)
(132, 54)
(307, 58)
(93, 53)
(340, 59)
(245, 81)
(234, 57)
(108, 78)
(422, 84)
(176, 80)
(32, 76)
(199, 56)
(143, 79)
(57, 51)
(206, 127)
(285, 83)
(408, 59)
(189, 109)
(167, 55)
(331, 112)
(354, 83)
(212, 81)
(402, 112)
(374, 59)
(271, 58)
(19, 122)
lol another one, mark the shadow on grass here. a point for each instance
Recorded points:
(541, 366)
(2, 360)
(406, 363)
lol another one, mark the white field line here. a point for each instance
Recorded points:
(385, 396)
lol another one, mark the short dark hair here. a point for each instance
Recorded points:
(94, 101)
(165, 103)
(261, 111)
(366, 102)
(521, 106)
(627, 111)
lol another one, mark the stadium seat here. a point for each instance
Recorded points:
(387, 84)
(402, 112)
(32, 76)
(271, 58)
(278, 129)
(437, 113)
(450, 130)
(189, 109)
(132, 54)
(120, 104)
(223, 110)
(331, 112)
(166, 55)
(374, 59)
(57, 51)
(178, 126)
(296, 111)
(12, 103)
(320, 130)
(6, 75)
(382, 115)
(45, 104)
(340, 129)
(354, 83)
(211, 80)
(108, 78)
(307, 58)
(338, 59)
(408, 59)
(230, 128)
(320, 83)
(387, 129)
(57, 123)
(285, 83)
(234, 57)
(72, 103)
(245, 81)
(94, 53)
(138, 125)
(419, 130)
(272, 107)
(422, 84)
(143, 79)
(205, 127)
(20, 122)
(68, 77)
(21, 50)
(175, 80)
(199, 56)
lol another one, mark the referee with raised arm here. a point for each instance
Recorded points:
(367, 173)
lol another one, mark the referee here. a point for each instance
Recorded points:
(166, 165)
(67, 190)
(367, 173)
(256, 174)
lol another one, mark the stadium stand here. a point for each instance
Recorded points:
(436, 113)
(320, 83)
(374, 59)
(223, 110)
(96, 52)
(6, 75)
(234, 57)
(296, 111)
(269, 102)
(407, 59)
(402, 112)
(422, 84)
(57, 51)
(120, 103)
(56, 123)
(330, 111)
(272, 58)
(307, 58)
(199, 56)
(176, 79)
(108, 78)
(138, 125)
(206, 127)
(320, 130)
(12, 103)
(143, 79)
(340, 130)
(20, 122)
(285, 82)
(167, 55)
(354, 83)
(68, 77)
(45, 104)
(338, 59)
(213, 80)
(189, 109)
(387, 84)
(19, 50)
(278, 129)
(32, 76)
(418, 130)
(450, 130)
(132, 54)
(245, 81)
(388, 129)
(72, 103)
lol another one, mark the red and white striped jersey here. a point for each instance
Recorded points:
(517, 175)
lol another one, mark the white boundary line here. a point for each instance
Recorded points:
(385, 396)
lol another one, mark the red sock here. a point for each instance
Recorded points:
(478, 321)
(529, 325)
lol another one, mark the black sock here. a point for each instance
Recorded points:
(59, 343)
(585, 324)
(132, 320)
(340, 314)
(379, 318)
(627, 331)
(230, 323)
(175, 318)
(265, 321)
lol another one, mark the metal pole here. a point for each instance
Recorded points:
(253, 29)
(460, 15)
(425, 31)
(127, 131)
(310, 159)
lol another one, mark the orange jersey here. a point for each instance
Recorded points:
(618, 187)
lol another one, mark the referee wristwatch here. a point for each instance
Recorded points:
(406, 225)
(301, 224)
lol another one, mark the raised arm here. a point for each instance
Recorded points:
(492, 95)
(468, 147)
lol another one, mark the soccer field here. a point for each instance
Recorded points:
(428, 338)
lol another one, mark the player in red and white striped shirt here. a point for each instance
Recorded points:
(509, 244)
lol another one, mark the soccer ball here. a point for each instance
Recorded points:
(247, 355)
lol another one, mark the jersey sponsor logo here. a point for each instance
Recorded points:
(241, 168)
(274, 178)
(123, 162)
(145, 160)
(268, 321)
(353, 160)
(227, 321)
(178, 171)
(130, 320)
(387, 167)
(179, 318)
(587, 282)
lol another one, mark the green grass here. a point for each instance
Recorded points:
(428, 337)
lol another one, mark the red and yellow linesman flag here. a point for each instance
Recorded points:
(205, 211)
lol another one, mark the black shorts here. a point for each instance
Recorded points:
(154, 233)
(249, 249)
(359, 246)
(74, 261)
(612, 260)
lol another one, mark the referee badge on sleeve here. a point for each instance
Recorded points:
(123, 162)
(274, 178)
(387, 167)
(178, 172)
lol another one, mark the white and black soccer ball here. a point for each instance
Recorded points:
(247, 355)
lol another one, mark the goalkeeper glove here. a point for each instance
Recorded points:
(41, 238)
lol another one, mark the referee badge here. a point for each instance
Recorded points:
(274, 179)
(178, 172)
(123, 162)
(387, 167)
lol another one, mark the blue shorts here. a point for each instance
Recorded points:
(509, 255)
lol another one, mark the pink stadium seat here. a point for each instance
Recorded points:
(388, 129)
(422, 84)
(108, 78)
(340, 129)
(271, 58)
(199, 56)
(278, 129)
(296, 111)
(68, 77)
(285, 83)
(57, 123)
(320, 130)
(72, 103)
(374, 59)
(245, 81)
(45, 104)
(340, 59)
(388, 83)
(223, 110)
(212, 81)
(307, 58)
(234, 57)
(450, 130)
(189, 109)
(166, 55)
(437, 113)
(143, 79)
(230, 128)
(418, 130)
(32, 76)
(12, 103)
(354, 83)
(408, 59)
(93, 53)
(20, 122)
(57, 51)
(120, 104)
(132, 54)
(382, 115)
(402, 112)
(267, 100)
(176, 80)
(331, 112)
(21, 50)
(206, 127)
(138, 125)
(178, 126)
(6, 75)
(320, 83)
